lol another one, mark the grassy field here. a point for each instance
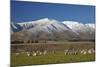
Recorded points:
(50, 58)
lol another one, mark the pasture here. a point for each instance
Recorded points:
(54, 55)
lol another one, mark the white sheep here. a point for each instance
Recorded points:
(45, 52)
(91, 51)
(17, 54)
(66, 51)
(28, 54)
(34, 54)
(83, 52)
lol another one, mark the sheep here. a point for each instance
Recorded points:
(83, 52)
(28, 53)
(17, 54)
(39, 52)
(34, 54)
(66, 51)
(76, 52)
(45, 52)
(91, 51)
(70, 52)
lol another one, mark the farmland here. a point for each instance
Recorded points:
(54, 55)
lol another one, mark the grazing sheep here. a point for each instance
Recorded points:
(83, 52)
(17, 54)
(28, 53)
(66, 51)
(75, 52)
(45, 52)
(34, 54)
(91, 51)
(39, 52)
(70, 52)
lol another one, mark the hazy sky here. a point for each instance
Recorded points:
(28, 11)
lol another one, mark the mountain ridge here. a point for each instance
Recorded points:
(54, 29)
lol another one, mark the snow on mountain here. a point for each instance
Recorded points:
(44, 25)
(78, 26)
(85, 31)
(15, 27)
(67, 29)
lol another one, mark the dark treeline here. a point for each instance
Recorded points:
(81, 40)
(29, 41)
(44, 41)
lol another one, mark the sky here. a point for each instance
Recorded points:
(30, 11)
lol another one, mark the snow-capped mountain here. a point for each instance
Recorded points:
(79, 26)
(44, 25)
(56, 29)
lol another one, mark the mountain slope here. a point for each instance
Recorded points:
(54, 30)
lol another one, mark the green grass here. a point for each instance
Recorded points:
(50, 58)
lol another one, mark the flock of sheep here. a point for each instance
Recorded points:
(82, 51)
(66, 52)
